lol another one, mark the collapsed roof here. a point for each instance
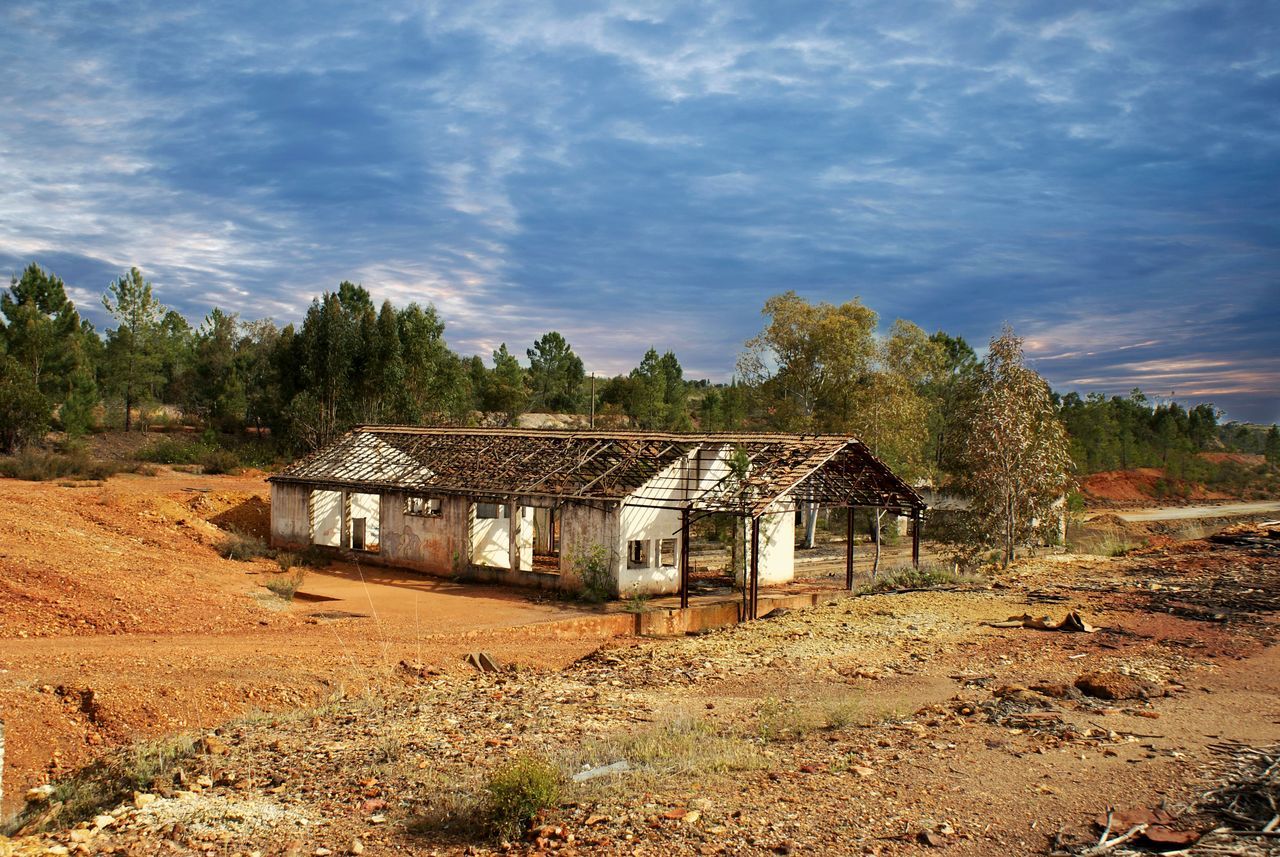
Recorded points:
(608, 467)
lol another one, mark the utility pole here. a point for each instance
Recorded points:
(593, 400)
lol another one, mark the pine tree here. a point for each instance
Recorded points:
(555, 374)
(133, 348)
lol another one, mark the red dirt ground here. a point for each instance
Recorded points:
(119, 619)
(1113, 487)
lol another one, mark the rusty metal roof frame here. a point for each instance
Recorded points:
(639, 468)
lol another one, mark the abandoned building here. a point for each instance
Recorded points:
(543, 508)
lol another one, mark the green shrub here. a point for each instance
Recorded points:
(174, 451)
(593, 570)
(220, 461)
(243, 547)
(518, 791)
(36, 465)
(285, 584)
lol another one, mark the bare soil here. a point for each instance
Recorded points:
(886, 724)
(119, 619)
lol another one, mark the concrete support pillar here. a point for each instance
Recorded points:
(513, 532)
(344, 537)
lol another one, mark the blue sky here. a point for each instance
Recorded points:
(1104, 176)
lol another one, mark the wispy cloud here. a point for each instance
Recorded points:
(647, 172)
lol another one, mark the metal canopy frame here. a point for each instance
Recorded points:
(638, 468)
(767, 474)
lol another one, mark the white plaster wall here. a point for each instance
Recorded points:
(777, 548)
(368, 506)
(647, 581)
(524, 537)
(491, 542)
(326, 518)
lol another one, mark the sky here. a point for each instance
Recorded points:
(1103, 176)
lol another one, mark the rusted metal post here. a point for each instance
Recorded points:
(755, 567)
(848, 553)
(684, 557)
(915, 537)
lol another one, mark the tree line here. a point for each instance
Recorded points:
(814, 367)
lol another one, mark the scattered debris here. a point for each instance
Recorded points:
(617, 767)
(484, 662)
(1072, 622)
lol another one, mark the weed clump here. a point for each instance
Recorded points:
(285, 584)
(908, 577)
(593, 570)
(518, 791)
(107, 782)
(243, 547)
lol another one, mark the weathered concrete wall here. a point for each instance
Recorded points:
(651, 526)
(290, 525)
(433, 544)
(582, 528)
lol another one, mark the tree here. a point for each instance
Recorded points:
(949, 393)
(133, 354)
(555, 374)
(435, 381)
(505, 385)
(24, 411)
(258, 365)
(1016, 458)
(41, 325)
(807, 362)
(327, 350)
(892, 407)
(1272, 447)
(219, 390)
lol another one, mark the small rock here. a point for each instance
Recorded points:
(141, 799)
(212, 745)
(39, 794)
(101, 821)
(931, 839)
(1114, 685)
(357, 847)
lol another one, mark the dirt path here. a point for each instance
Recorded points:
(1179, 513)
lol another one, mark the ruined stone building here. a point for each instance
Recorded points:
(538, 507)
